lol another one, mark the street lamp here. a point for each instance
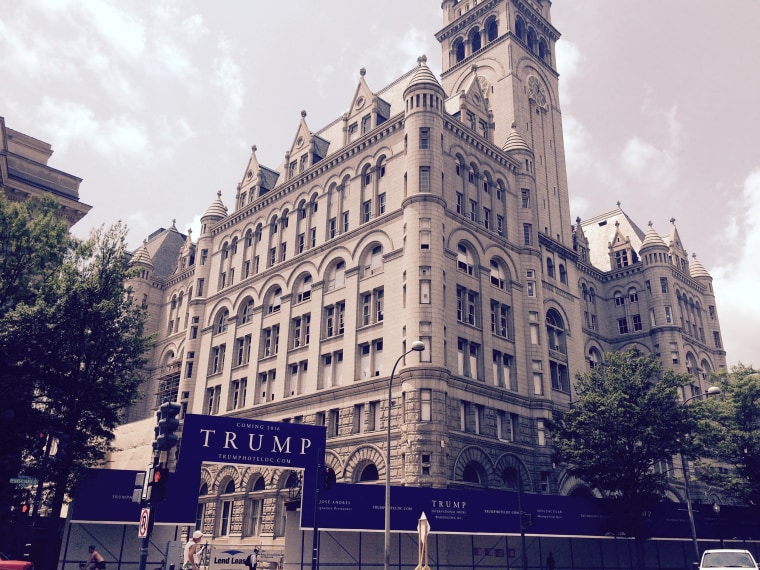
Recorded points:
(711, 391)
(417, 346)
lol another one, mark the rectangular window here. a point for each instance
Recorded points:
(242, 350)
(711, 311)
(367, 211)
(664, 284)
(345, 222)
(332, 226)
(500, 225)
(474, 211)
(272, 256)
(541, 432)
(486, 218)
(426, 405)
(301, 330)
(560, 376)
(200, 287)
(313, 237)
(467, 306)
(668, 315)
(527, 229)
(216, 362)
(424, 137)
(622, 325)
(333, 422)
(366, 123)
(373, 416)
(502, 370)
(424, 179)
(358, 419)
(716, 339)
(538, 377)
(636, 322)
(525, 193)
(270, 341)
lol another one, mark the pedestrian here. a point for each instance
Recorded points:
(550, 561)
(252, 559)
(95, 558)
(191, 558)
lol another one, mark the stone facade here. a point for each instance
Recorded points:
(24, 172)
(434, 211)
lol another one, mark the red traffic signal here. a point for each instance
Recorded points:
(158, 484)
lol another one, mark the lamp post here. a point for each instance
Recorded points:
(711, 391)
(417, 346)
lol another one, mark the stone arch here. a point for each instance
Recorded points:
(510, 470)
(361, 458)
(470, 456)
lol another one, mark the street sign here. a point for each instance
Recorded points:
(23, 481)
(142, 531)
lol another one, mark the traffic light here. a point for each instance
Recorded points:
(158, 484)
(329, 477)
(166, 438)
(40, 443)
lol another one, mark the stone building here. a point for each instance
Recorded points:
(433, 210)
(24, 172)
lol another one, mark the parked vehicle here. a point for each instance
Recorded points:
(727, 559)
(7, 564)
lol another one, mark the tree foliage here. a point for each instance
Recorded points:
(74, 341)
(627, 419)
(34, 243)
(730, 435)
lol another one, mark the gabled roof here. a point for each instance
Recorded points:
(600, 231)
(162, 247)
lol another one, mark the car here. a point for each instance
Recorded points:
(7, 564)
(727, 558)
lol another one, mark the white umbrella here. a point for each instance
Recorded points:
(423, 530)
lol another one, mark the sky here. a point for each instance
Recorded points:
(156, 105)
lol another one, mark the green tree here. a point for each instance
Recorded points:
(34, 242)
(81, 345)
(627, 418)
(730, 435)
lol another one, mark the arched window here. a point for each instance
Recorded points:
(459, 50)
(471, 473)
(633, 295)
(562, 273)
(225, 518)
(492, 30)
(592, 295)
(303, 289)
(543, 51)
(465, 259)
(336, 276)
(619, 299)
(594, 358)
(511, 478)
(220, 322)
(549, 267)
(499, 275)
(520, 29)
(275, 299)
(373, 262)
(475, 40)
(369, 473)
(532, 39)
(225, 250)
(555, 331)
(246, 311)
(585, 292)
(255, 510)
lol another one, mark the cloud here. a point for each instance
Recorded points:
(569, 63)
(118, 139)
(228, 77)
(735, 283)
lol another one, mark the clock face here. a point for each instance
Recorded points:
(536, 91)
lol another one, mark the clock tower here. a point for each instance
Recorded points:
(509, 45)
